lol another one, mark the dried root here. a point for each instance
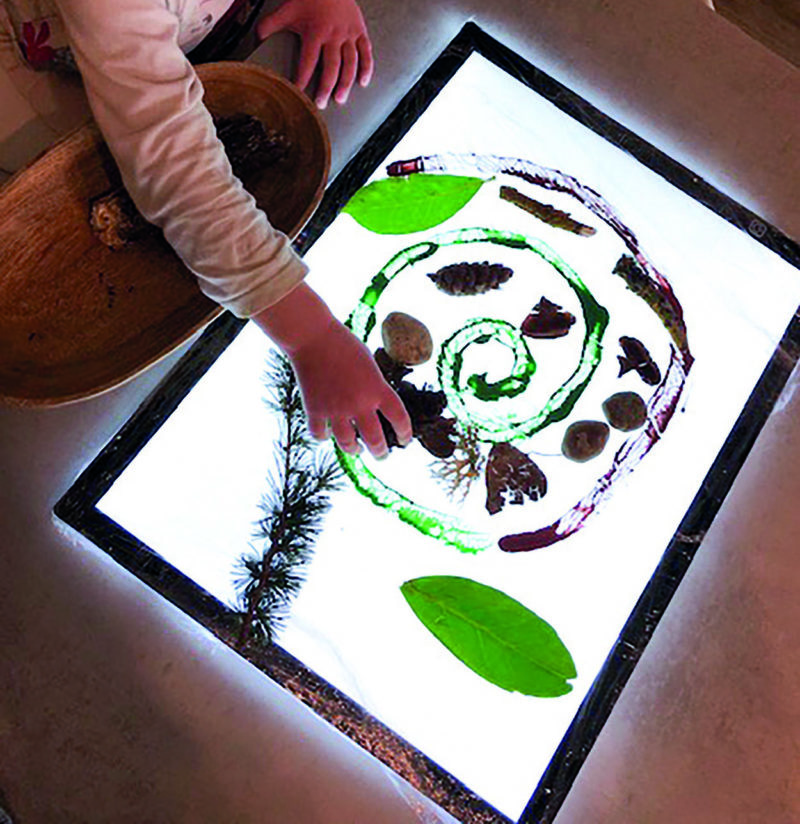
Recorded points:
(460, 470)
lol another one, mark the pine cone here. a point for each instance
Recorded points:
(392, 371)
(424, 407)
(249, 145)
(471, 278)
(438, 437)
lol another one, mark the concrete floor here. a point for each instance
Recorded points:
(116, 707)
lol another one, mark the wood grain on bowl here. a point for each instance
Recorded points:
(77, 318)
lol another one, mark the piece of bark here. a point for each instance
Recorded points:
(546, 213)
(511, 476)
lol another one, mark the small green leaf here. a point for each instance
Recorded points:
(494, 635)
(400, 205)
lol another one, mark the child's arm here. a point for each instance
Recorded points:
(334, 36)
(147, 101)
(341, 385)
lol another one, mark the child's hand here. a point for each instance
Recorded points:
(342, 391)
(342, 387)
(333, 33)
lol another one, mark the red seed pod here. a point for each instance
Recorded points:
(471, 278)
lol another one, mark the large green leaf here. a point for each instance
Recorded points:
(494, 635)
(400, 205)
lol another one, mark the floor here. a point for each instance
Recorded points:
(115, 707)
(775, 23)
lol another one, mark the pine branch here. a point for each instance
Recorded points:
(296, 501)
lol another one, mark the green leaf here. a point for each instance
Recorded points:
(400, 205)
(494, 635)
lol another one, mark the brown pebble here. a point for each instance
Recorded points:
(406, 339)
(625, 410)
(585, 440)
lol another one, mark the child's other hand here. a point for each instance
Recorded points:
(332, 33)
(343, 389)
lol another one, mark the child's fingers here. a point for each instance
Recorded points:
(319, 428)
(371, 433)
(366, 63)
(309, 57)
(331, 64)
(345, 435)
(394, 411)
(273, 22)
(347, 74)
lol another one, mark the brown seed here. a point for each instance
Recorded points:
(585, 440)
(547, 320)
(635, 356)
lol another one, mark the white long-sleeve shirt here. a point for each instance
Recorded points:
(147, 101)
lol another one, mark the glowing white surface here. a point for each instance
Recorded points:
(192, 493)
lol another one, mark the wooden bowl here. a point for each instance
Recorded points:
(77, 318)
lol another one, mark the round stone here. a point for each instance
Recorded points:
(625, 410)
(406, 339)
(585, 440)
